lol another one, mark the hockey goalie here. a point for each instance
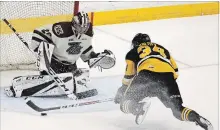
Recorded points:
(59, 46)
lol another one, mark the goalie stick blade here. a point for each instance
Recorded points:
(32, 105)
(36, 108)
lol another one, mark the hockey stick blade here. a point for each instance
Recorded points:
(32, 105)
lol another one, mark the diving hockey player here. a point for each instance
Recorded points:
(152, 72)
(59, 46)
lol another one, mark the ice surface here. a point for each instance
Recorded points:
(193, 42)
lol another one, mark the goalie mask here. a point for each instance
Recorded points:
(81, 22)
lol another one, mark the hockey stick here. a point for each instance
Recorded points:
(50, 71)
(39, 109)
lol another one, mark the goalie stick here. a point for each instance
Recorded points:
(39, 109)
(50, 71)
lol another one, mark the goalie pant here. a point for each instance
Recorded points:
(44, 85)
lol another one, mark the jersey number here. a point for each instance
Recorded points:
(145, 50)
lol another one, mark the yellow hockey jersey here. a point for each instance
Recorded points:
(149, 56)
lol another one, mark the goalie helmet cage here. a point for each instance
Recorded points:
(14, 55)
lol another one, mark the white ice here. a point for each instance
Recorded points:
(193, 42)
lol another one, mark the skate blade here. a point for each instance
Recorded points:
(140, 118)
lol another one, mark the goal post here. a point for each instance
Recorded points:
(25, 16)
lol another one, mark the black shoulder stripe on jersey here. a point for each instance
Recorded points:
(42, 35)
(87, 50)
(155, 58)
(128, 76)
(37, 39)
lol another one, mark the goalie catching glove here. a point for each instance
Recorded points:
(104, 60)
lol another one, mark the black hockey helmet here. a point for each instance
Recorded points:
(81, 22)
(140, 38)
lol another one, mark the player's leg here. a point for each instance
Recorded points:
(134, 94)
(171, 98)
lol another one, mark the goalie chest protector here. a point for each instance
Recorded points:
(68, 44)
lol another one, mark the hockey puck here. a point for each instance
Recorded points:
(43, 114)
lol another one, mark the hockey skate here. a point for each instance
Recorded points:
(204, 123)
(9, 91)
(142, 109)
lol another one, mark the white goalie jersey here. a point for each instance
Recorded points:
(59, 46)
(68, 44)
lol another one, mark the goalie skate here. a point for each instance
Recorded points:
(9, 91)
(141, 116)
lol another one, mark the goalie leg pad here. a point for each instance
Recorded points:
(81, 79)
(40, 85)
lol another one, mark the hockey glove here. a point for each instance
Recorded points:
(104, 60)
(120, 94)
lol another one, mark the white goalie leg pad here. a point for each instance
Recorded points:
(41, 85)
(8, 92)
(44, 55)
(82, 80)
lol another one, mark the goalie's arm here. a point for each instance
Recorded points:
(39, 35)
(88, 54)
(43, 45)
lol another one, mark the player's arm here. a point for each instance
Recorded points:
(39, 35)
(43, 45)
(174, 65)
(129, 72)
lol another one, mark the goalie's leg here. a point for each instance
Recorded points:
(39, 85)
(43, 85)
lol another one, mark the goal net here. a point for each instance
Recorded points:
(25, 16)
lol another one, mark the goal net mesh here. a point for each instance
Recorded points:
(14, 54)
